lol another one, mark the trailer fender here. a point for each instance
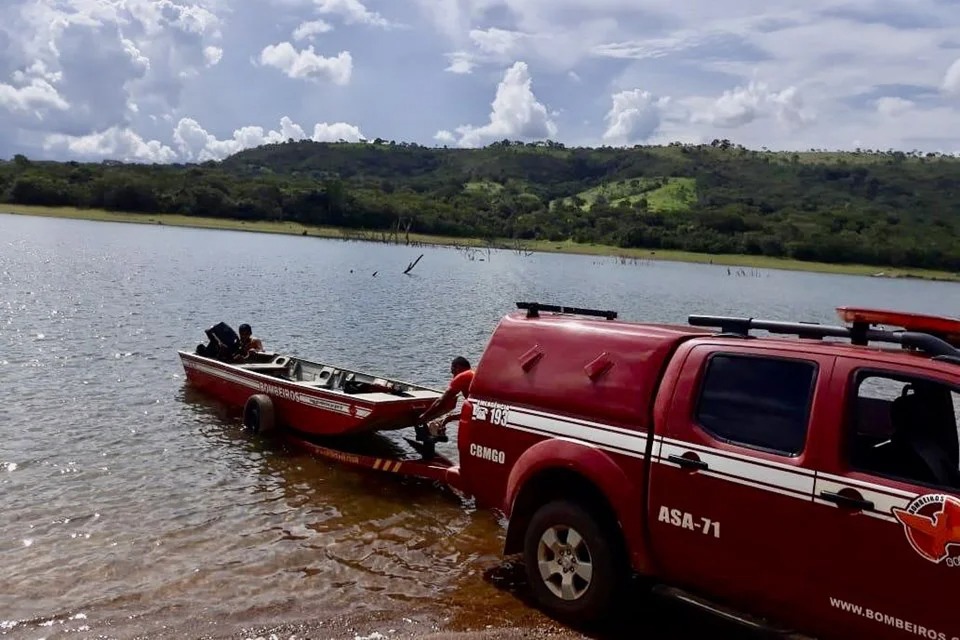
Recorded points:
(594, 471)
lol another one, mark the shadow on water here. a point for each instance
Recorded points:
(445, 542)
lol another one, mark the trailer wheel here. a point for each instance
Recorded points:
(571, 562)
(258, 415)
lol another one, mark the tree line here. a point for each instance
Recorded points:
(886, 208)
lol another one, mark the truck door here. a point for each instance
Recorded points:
(888, 540)
(731, 498)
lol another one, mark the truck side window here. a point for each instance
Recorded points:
(905, 428)
(758, 402)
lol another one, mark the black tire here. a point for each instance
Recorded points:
(258, 415)
(585, 601)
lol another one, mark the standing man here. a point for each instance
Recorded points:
(459, 384)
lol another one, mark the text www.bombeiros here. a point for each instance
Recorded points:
(893, 621)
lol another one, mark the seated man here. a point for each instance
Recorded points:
(460, 384)
(248, 343)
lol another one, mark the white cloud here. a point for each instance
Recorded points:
(352, 12)
(196, 144)
(516, 114)
(100, 57)
(307, 30)
(306, 64)
(742, 105)
(893, 106)
(634, 117)
(460, 62)
(115, 144)
(213, 55)
(36, 95)
(951, 79)
(497, 41)
(836, 73)
(445, 137)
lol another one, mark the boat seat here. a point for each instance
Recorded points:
(326, 377)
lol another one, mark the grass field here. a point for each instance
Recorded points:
(664, 195)
(290, 228)
(483, 186)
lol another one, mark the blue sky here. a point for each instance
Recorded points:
(192, 80)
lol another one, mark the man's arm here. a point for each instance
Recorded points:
(440, 406)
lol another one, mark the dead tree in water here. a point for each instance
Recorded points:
(401, 226)
(412, 265)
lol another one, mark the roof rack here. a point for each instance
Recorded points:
(534, 308)
(859, 333)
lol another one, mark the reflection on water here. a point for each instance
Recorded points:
(132, 504)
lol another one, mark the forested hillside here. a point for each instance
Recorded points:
(883, 208)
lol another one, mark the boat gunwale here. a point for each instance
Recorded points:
(300, 386)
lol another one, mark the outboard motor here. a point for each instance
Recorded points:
(224, 342)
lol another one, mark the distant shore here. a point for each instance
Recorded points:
(544, 246)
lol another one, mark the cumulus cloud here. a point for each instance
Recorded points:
(744, 104)
(307, 30)
(213, 55)
(114, 143)
(35, 96)
(951, 80)
(460, 62)
(516, 114)
(351, 12)
(111, 68)
(892, 106)
(497, 41)
(634, 116)
(196, 144)
(193, 143)
(306, 64)
(106, 60)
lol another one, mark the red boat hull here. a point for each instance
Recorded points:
(308, 407)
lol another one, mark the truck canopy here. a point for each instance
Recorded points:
(588, 368)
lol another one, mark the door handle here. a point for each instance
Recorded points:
(854, 501)
(689, 463)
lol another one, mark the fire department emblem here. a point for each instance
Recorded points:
(932, 525)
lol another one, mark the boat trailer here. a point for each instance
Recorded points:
(431, 465)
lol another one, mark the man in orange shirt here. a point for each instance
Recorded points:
(460, 384)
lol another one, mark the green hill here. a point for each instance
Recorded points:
(881, 208)
(661, 194)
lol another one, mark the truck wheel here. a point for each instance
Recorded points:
(571, 562)
(258, 415)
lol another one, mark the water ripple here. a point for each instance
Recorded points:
(130, 502)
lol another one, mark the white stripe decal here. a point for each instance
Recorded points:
(225, 375)
(578, 441)
(574, 421)
(633, 443)
(767, 475)
(726, 467)
(738, 456)
(890, 492)
(284, 391)
(882, 502)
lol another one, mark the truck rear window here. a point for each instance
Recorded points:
(757, 402)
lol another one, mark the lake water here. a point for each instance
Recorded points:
(132, 506)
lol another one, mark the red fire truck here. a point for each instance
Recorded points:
(807, 475)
